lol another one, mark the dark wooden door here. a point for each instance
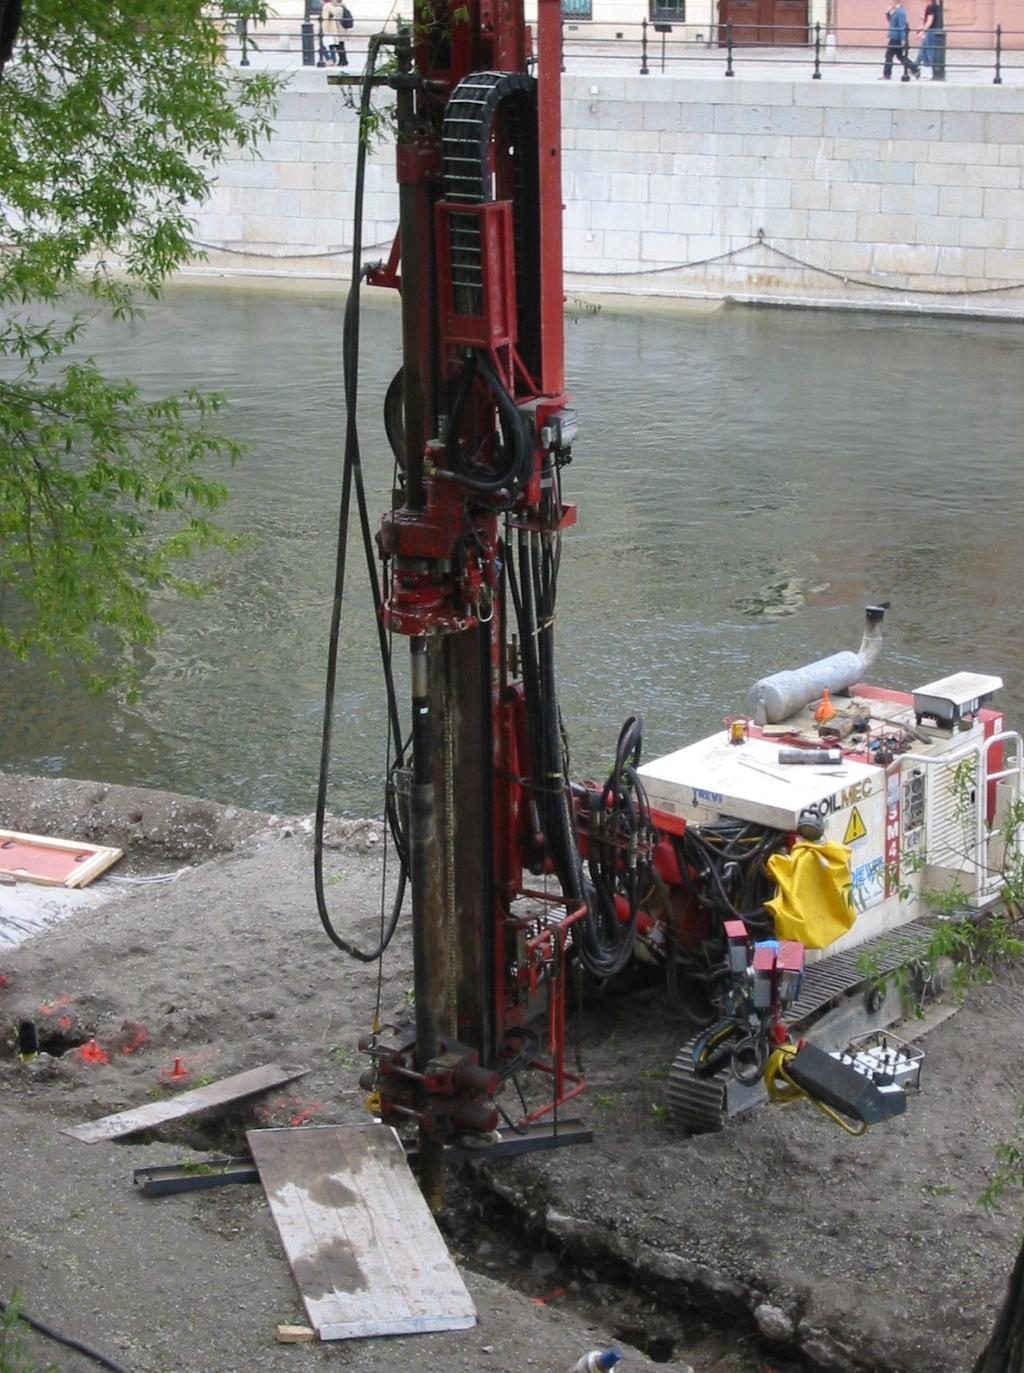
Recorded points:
(782, 22)
(789, 21)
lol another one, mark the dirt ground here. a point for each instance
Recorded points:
(779, 1243)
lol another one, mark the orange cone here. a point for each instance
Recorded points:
(92, 1053)
(175, 1076)
(825, 709)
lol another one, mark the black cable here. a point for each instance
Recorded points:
(550, 773)
(697, 849)
(394, 418)
(620, 831)
(42, 1328)
(516, 471)
(529, 1049)
(353, 472)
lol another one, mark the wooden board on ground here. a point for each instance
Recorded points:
(188, 1103)
(53, 862)
(364, 1249)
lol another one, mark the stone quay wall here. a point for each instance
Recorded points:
(855, 193)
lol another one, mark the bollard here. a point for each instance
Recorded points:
(939, 56)
(728, 49)
(999, 56)
(644, 68)
(664, 30)
(308, 54)
(817, 53)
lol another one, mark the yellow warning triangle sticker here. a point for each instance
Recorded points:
(855, 829)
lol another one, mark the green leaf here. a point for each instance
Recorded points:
(113, 119)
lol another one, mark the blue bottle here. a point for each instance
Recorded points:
(597, 1361)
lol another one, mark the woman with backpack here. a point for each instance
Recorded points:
(334, 17)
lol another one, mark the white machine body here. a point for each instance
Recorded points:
(900, 790)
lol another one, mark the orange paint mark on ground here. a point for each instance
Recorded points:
(131, 1037)
(52, 1007)
(553, 1295)
(300, 1117)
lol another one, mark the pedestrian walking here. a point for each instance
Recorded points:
(898, 43)
(929, 37)
(335, 18)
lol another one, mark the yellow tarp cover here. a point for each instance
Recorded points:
(815, 902)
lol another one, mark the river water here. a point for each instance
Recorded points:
(731, 464)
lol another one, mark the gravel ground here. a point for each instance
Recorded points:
(780, 1239)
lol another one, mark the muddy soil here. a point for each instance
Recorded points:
(780, 1242)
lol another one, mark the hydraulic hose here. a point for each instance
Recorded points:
(79, 1348)
(515, 473)
(353, 474)
(620, 825)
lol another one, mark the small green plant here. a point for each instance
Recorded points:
(335, 878)
(195, 1167)
(156, 1092)
(342, 1055)
(409, 998)
(14, 1357)
(963, 945)
(939, 1189)
(658, 1073)
(604, 1102)
(660, 1113)
(1009, 1167)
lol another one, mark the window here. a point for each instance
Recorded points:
(576, 9)
(668, 11)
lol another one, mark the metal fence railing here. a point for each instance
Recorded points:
(658, 47)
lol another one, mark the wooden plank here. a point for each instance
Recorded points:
(363, 1247)
(294, 1334)
(53, 862)
(186, 1104)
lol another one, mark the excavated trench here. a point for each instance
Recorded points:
(489, 1224)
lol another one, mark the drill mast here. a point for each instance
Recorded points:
(471, 556)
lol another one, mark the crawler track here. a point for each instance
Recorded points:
(698, 1105)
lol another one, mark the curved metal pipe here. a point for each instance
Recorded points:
(781, 695)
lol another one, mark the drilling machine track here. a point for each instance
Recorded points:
(700, 1105)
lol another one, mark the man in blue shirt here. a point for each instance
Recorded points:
(899, 41)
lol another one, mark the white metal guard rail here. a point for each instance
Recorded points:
(987, 882)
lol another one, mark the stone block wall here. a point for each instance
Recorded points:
(854, 192)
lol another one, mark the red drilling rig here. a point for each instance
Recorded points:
(482, 428)
(519, 875)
